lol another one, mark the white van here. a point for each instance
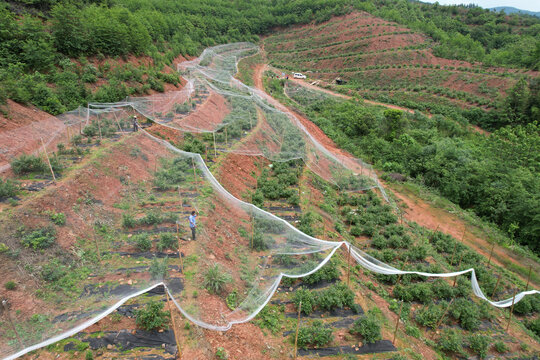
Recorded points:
(299, 76)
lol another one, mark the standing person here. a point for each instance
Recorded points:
(135, 125)
(193, 224)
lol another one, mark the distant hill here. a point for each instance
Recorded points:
(512, 10)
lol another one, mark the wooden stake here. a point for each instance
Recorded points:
(459, 264)
(194, 171)
(6, 311)
(528, 278)
(99, 127)
(404, 264)
(215, 150)
(453, 253)
(491, 254)
(397, 322)
(444, 314)
(349, 266)
(47, 156)
(179, 252)
(118, 123)
(174, 325)
(496, 286)
(226, 137)
(297, 328)
(252, 226)
(511, 310)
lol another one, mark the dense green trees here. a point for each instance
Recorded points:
(38, 36)
(495, 176)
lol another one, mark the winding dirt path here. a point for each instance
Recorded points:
(419, 210)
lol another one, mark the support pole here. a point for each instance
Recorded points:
(174, 325)
(80, 122)
(496, 286)
(528, 278)
(511, 310)
(297, 328)
(6, 311)
(349, 266)
(215, 150)
(453, 253)
(48, 161)
(118, 123)
(404, 265)
(444, 314)
(99, 127)
(252, 235)
(194, 171)
(491, 253)
(179, 252)
(459, 265)
(397, 322)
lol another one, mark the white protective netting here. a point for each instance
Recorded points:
(141, 188)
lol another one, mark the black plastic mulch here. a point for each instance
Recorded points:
(147, 254)
(126, 340)
(175, 284)
(380, 346)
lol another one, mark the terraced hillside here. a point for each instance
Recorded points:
(384, 61)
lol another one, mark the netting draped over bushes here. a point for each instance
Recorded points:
(136, 196)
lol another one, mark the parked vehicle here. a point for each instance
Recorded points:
(299, 76)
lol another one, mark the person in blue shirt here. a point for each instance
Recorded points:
(193, 223)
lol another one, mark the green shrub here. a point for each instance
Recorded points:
(221, 353)
(8, 188)
(152, 316)
(215, 279)
(336, 296)
(315, 335)
(151, 218)
(429, 316)
(417, 253)
(10, 285)
(269, 318)
(142, 242)
(500, 347)
(128, 221)
(158, 268)
(328, 272)
(53, 271)
(467, 313)
(451, 341)
(534, 326)
(307, 298)
(26, 164)
(413, 331)
(58, 218)
(528, 305)
(479, 345)
(232, 300)
(40, 239)
(89, 355)
(368, 327)
(167, 241)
